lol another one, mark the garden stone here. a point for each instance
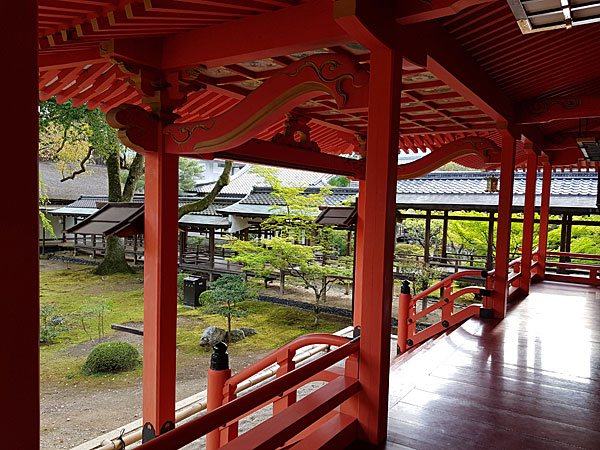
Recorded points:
(236, 335)
(249, 331)
(211, 336)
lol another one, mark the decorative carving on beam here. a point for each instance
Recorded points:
(483, 148)
(336, 75)
(150, 81)
(136, 127)
(557, 108)
(296, 126)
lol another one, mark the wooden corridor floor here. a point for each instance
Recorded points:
(531, 381)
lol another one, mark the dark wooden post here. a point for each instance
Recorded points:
(181, 246)
(211, 247)
(427, 236)
(489, 262)
(135, 250)
(20, 269)
(93, 246)
(445, 237)
(64, 228)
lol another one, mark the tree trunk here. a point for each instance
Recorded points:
(114, 256)
(316, 309)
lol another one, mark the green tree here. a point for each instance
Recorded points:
(225, 295)
(302, 249)
(73, 136)
(415, 231)
(339, 181)
(189, 169)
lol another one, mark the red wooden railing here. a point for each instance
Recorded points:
(408, 336)
(281, 392)
(574, 270)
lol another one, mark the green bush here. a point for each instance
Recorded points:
(180, 285)
(111, 357)
(51, 323)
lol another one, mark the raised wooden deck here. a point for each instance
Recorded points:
(529, 381)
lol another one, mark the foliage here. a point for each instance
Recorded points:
(43, 195)
(180, 285)
(51, 323)
(226, 293)
(94, 310)
(74, 136)
(208, 199)
(406, 250)
(454, 167)
(111, 357)
(415, 231)
(339, 181)
(189, 170)
(303, 249)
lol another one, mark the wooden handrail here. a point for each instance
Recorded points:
(293, 346)
(574, 255)
(199, 427)
(448, 282)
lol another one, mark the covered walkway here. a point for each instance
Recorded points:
(531, 380)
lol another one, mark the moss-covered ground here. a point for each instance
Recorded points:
(76, 291)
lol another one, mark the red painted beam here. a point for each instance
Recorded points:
(499, 298)
(557, 108)
(71, 58)
(20, 246)
(160, 287)
(420, 11)
(290, 30)
(528, 220)
(256, 151)
(544, 218)
(377, 212)
(485, 148)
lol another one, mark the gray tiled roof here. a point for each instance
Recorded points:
(93, 182)
(242, 183)
(262, 196)
(88, 202)
(576, 183)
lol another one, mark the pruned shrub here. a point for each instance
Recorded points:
(111, 357)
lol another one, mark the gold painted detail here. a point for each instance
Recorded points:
(539, 107)
(320, 70)
(188, 131)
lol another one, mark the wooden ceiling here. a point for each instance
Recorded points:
(435, 109)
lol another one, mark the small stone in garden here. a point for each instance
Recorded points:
(249, 331)
(211, 336)
(236, 336)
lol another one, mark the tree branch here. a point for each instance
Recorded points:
(81, 164)
(136, 170)
(205, 202)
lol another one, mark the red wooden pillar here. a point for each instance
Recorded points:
(160, 289)
(359, 250)
(528, 219)
(19, 276)
(375, 246)
(544, 217)
(499, 297)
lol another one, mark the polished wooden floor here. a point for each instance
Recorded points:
(531, 381)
